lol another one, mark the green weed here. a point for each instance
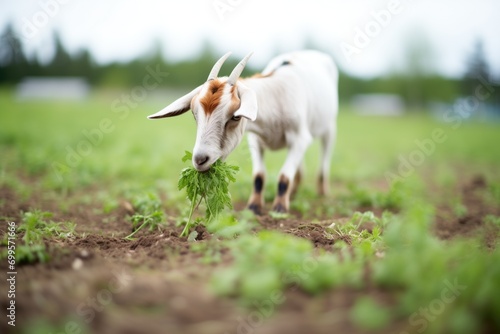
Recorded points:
(148, 213)
(352, 233)
(260, 262)
(39, 325)
(492, 219)
(211, 187)
(404, 259)
(36, 230)
(279, 215)
(459, 209)
(421, 267)
(229, 226)
(303, 207)
(210, 251)
(271, 261)
(369, 315)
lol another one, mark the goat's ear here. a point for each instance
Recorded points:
(178, 107)
(248, 107)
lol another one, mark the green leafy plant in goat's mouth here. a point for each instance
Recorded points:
(210, 187)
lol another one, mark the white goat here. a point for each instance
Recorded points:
(294, 100)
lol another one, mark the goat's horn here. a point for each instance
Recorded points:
(235, 74)
(215, 70)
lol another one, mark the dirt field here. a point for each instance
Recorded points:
(98, 282)
(380, 255)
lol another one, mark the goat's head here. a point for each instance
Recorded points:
(221, 108)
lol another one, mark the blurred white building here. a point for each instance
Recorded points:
(53, 88)
(378, 104)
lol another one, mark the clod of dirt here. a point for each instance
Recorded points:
(367, 226)
(145, 241)
(202, 233)
(314, 233)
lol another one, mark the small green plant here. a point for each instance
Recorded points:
(36, 229)
(393, 199)
(492, 219)
(458, 207)
(32, 253)
(40, 325)
(148, 213)
(210, 251)
(360, 197)
(211, 187)
(369, 315)
(279, 215)
(494, 192)
(271, 261)
(353, 233)
(262, 264)
(363, 197)
(229, 226)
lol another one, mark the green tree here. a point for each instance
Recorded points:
(478, 73)
(418, 66)
(13, 62)
(476, 68)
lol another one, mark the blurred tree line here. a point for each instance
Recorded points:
(416, 84)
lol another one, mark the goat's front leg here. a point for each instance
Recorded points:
(256, 201)
(298, 148)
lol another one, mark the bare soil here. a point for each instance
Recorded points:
(157, 284)
(449, 225)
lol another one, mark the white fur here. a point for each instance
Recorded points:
(297, 102)
(294, 102)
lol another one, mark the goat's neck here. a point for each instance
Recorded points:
(269, 92)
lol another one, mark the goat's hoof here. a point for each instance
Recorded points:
(280, 208)
(255, 208)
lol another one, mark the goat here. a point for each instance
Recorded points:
(292, 101)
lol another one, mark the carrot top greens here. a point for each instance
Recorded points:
(210, 187)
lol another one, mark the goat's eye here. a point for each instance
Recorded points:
(235, 118)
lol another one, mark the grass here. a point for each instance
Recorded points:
(54, 149)
(434, 267)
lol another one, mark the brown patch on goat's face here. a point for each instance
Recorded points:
(212, 98)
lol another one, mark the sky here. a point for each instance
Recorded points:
(367, 37)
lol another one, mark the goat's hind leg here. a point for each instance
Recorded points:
(289, 171)
(327, 144)
(256, 201)
(297, 180)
